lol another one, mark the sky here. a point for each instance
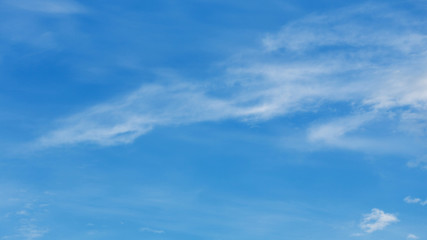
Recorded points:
(213, 120)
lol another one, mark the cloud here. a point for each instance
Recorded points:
(150, 230)
(370, 59)
(26, 217)
(420, 162)
(411, 200)
(124, 120)
(411, 236)
(347, 28)
(334, 132)
(22, 212)
(377, 220)
(30, 232)
(39, 25)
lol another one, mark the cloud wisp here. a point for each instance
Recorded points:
(375, 69)
(150, 230)
(420, 162)
(411, 200)
(412, 236)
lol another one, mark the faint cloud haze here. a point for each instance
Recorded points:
(48, 6)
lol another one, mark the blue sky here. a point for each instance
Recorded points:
(216, 120)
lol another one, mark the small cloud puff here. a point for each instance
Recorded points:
(377, 220)
(411, 236)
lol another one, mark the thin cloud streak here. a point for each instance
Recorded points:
(150, 230)
(409, 199)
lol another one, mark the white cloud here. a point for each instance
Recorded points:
(409, 199)
(411, 236)
(340, 28)
(22, 212)
(334, 132)
(150, 230)
(30, 232)
(124, 120)
(24, 22)
(25, 223)
(377, 220)
(337, 57)
(420, 162)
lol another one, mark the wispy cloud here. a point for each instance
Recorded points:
(334, 132)
(26, 213)
(30, 231)
(347, 28)
(412, 236)
(27, 22)
(27, 228)
(420, 162)
(377, 220)
(124, 120)
(376, 69)
(411, 200)
(150, 230)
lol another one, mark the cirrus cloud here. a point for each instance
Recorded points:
(375, 69)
